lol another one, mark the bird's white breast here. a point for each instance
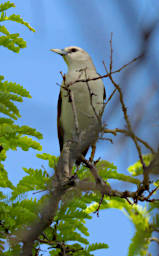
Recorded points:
(84, 109)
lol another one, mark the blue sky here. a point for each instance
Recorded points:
(87, 24)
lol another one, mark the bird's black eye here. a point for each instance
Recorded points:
(74, 50)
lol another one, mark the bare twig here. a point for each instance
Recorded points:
(91, 99)
(101, 200)
(110, 97)
(154, 239)
(111, 55)
(131, 133)
(129, 63)
(108, 73)
(126, 132)
(152, 192)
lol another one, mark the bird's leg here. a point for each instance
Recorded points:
(92, 153)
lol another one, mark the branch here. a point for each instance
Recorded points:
(111, 55)
(126, 132)
(107, 75)
(106, 189)
(48, 212)
(154, 239)
(110, 97)
(124, 109)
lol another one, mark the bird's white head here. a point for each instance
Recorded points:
(75, 57)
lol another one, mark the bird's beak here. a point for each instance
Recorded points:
(59, 51)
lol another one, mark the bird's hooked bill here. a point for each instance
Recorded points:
(59, 51)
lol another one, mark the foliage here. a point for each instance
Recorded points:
(73, 211)
(13, 136)
(12, 41)
(136, 169)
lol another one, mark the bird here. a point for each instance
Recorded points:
(88, 96)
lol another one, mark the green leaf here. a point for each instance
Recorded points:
(55, 252)
(22, 213)
(6, 111)
(97, 246)
(29, 131)
(13, 42)
(72, 225)
(5, 121)
(155, 221)
(73, 236)
(108, 171)
(52, 159)
(36, 180)
(14, 88)
(26, 143)
(4, 30)
(18, 19)
(74, 214)
(6, 5)
(136, 169)
(153, 205)
(4, 181)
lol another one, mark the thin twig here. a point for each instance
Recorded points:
(111, 55)
(39, 191)
(91, 99)
(108, 73)
(154, 239)
(101, 200)
(124, 66)
(126, 132)
(124, 109)
(110, 97)
(152, 192)
(127, 199)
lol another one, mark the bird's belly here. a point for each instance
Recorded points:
(87, 108)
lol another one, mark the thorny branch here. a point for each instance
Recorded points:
(126, 132)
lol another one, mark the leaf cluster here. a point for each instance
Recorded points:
(12, 41)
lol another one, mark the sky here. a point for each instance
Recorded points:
(87, 24)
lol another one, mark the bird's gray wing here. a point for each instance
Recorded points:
(104, 94)
(59, 125)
